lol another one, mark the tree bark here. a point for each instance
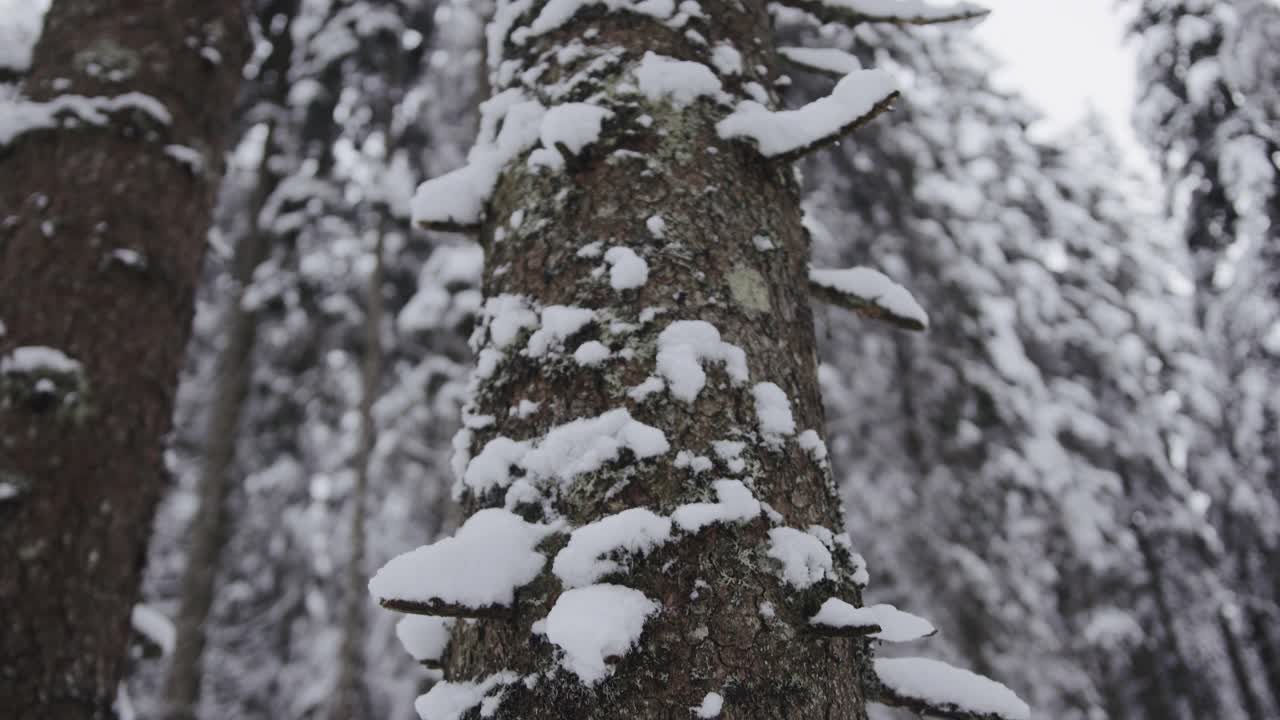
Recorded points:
(713, 197)
(102, 237)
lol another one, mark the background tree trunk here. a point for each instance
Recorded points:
(103, 234)
(350, 703)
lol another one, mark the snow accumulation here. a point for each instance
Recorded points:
(941, 685)
(657, 226)
(811, 442)
(680, 81)
(458, 198)
(895, 625)
(591, 353)
(734, 503)
(682, 348)
(424, 637)
(789, 131)
(558, 323)
(827, 60)
(919, 10)
(596, 622)
(727, 59)
(19, 115)
(805, 560)
(23, 21)
(650, 386)
(711, 705)
(580, 446)
(730, 452)
(573, 125)
(506, 315)
(628, 270)
(451, 700)
(558, 12)
(37, 358)
(481, 566)
(155, 626)
(874, 287)
(773, 413)
(586, 558)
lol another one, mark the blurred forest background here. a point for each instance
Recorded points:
(1074, 474)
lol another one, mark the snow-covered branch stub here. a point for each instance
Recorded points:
(890, 12)
(869, 293)
(936, 689)
(786, 135)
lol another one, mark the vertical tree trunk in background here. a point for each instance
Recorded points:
(102, 237)
(349, 703)
(209, 525)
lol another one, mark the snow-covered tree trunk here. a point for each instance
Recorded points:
(108, 167)
(645, 408)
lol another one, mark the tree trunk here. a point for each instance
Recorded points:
(350, 703)
(104, 221)
(689, 204)
(209, 526)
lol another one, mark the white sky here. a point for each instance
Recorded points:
(1065, 56)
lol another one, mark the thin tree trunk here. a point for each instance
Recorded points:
(101, 242)
(349, 703)
(210, 524)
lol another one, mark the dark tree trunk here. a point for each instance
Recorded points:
(102, 237)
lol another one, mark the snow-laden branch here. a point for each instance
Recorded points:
(787, 135)
(869, 293)
(832, 62)
(882, 622)
(893, 12)
(936, 689)
(475, 573)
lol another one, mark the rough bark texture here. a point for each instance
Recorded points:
(86, 458)
(714, 198)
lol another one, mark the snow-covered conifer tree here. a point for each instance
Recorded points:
(1020, 478)
(1209, 109)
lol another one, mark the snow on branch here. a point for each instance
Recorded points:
(455, 202)
(869, 293)
(154, 628)
(475, 573)
(882, 622)
(824, 61)
(894, 12)
(425, 638)
(936, 689)
(787, 135)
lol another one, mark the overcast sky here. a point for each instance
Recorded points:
(1065, 55)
